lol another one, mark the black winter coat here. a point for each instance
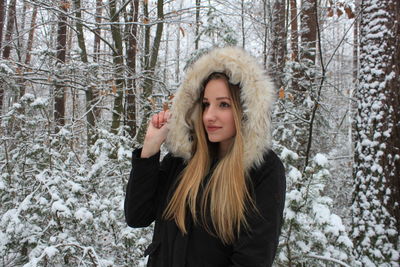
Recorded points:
(149, 189)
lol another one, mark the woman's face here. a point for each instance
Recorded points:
(218, 113)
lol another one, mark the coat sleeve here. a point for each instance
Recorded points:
(146, 183)
(256, 245)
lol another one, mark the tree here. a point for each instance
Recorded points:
(90, 117)
(59, 94)
(8, 40)
(294, 38)
(294, 43)
(376, 197)
(97, 31)
(196, 42)
(150, 62)
(279, 42)
(132, 37)
(31, 36)
(9, 28)
(94, 90)
(2, 14)
(118, 59)
(309, 29)
(311, 234)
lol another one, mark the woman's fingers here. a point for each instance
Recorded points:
(154, 120)
(160, 119)
(167, 115)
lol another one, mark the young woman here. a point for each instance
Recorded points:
(217, 198)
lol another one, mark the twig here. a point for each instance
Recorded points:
(327, 259)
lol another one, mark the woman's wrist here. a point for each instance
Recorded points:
(149, 149)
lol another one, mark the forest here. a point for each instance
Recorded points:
(79, 80)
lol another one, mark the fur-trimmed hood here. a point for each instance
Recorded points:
(257, 96)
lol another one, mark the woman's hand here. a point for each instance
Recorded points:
(156, 133)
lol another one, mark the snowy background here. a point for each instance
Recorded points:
(79, 79)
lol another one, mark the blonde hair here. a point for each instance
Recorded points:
(225, 197)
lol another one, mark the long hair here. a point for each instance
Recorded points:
(225, 198)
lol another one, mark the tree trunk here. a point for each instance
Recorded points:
(393, 172)
(303, 86)
(157, 38)
(294, 43)
(265, 41)
(355, 42)
(29, 45)
(309, 30)
(9, 29)
(79, 31)
(96, 46)
(150, 70)
(96, 55)
(2, 14)
(90, 118)
(31, 35)
(242, 23)
(166, 54)
(178, 40)
(59, 95)
(131, 63)
(278, 45)
(119, 68)
(196, 42)
(147, 30)
(294, 37)
(20, 31)
(376, 197)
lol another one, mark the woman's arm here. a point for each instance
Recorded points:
(147, 178)
(257, 245)
(146, 187)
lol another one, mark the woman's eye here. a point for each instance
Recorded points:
(205, 104)
(224, 105)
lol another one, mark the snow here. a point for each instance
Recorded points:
(59, 206)
(303, 246)
(142, 241)
(123, 153)
(294, 175)
(294, 195)
(75, 187)
(84, 215)
(345, 240)
(39, 102)
(64, 132)
(395, 255)
(28, 97)
(51, 251)
(321, 160)
(322, 213)
(335, 225)
(3, 241)
(17, 106)
(288, 154)
(6, 69)
(376, 168)
(2, 185)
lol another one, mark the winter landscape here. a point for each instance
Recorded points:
(79, 80)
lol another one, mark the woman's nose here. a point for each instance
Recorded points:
(209, 114)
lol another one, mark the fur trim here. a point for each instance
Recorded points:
(257, 95)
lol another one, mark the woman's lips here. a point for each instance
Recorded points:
(213, 128)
